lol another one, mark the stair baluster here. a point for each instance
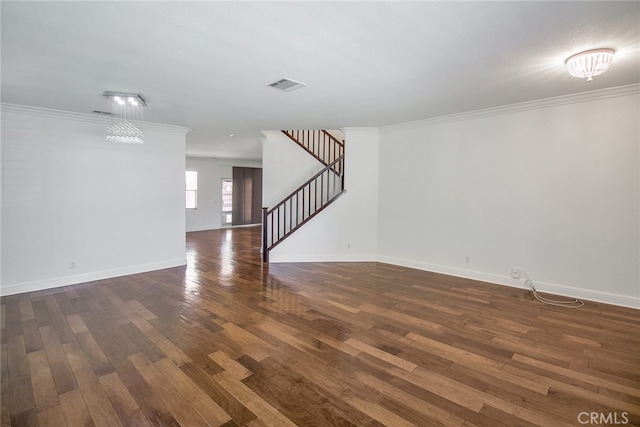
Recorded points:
(310, 198)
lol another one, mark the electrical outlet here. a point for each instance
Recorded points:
(516, 273)
(73, 264)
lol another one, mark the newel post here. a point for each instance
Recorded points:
(265, 251)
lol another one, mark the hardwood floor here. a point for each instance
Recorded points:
(226, 341)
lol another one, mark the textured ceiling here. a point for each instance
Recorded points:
(206, 65)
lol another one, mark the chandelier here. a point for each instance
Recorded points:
(125, 109)
(590, 63)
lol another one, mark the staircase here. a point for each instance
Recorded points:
(310, 198)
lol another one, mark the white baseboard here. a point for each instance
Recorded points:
(38, 285)
(552, 288)
(218, 227)
(203, 228)
(274, 258)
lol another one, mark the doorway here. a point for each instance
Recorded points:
(227, 202)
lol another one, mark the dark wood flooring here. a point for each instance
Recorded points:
(228, 341)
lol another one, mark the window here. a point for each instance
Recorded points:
(191, 187)
(227, 200)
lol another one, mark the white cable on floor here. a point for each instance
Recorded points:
(572, 303)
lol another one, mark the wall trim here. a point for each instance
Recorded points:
(203, 228)
(38, 285)
(219, 227)
(275, 259)
(83, 117)
(552, 288)
(362, 131)
(257, 224)
(633, 89)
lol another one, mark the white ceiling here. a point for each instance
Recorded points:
(206, 65)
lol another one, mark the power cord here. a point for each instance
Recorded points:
(572, 303)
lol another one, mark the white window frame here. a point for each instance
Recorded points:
(188, 190)
(226, 213)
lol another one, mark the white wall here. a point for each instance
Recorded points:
(285, 166)
(70, 195)
(552, 189)
(344, 231)
(208, 216)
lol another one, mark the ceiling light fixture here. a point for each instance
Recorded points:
(125, 109)
(590, 63)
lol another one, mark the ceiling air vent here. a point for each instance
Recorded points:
(105, 113)
(287, 85)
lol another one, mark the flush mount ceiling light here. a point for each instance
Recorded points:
(125, 108)
(590, 63)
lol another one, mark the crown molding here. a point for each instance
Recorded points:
(615, 92)
(361, 130)
(83, 117)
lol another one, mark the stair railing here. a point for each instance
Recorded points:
(320, 144)
(301, 205)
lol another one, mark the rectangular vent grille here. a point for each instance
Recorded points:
(105, 113)
(287, 85)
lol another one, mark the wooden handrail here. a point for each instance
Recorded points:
(319, 143)
(334, 138)
(309, 199)
(297, 190)
(265, 253)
